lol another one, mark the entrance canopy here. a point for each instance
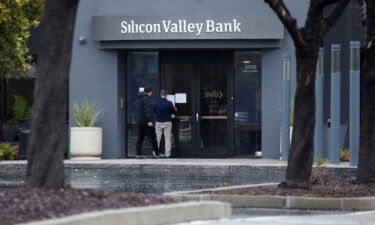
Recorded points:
(187, 27)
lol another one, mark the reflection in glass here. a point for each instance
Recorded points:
(214, 133)
(247, 103)
(355, 53)
(335, 58)
(143, 70)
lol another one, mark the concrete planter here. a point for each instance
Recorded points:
(147, 215)
(275, 201)
(86, 142)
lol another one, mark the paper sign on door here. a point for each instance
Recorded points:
(180, 98)
(170, 98)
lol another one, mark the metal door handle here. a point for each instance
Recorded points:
(183, 117)
(197, 117)
(214, 117)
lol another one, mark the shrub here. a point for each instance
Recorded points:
(8, 152)
(66, 153)
(344, 155)
(86, 113)
(291, 114)
(315, 173)
(21, 110)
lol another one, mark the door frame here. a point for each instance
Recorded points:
(197, 58)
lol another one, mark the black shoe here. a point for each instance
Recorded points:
(155, 157)
(139, 157)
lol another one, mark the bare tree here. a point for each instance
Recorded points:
(306, 40)
(45, 168)
(366, 168)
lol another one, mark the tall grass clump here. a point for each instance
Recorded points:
(86, 113)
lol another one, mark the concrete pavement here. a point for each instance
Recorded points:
(357, 218)
(175, 161)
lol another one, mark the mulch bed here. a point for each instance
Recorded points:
(333, 188)
(23, 205)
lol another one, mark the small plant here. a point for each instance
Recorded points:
(318, 165)
(291, 114)
(8, 152)
(21, 110)
(86, 113)
(66, 153)
(291, 111)
(344, 155)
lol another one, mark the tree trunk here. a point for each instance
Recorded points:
(301, 156)
(366, 168)
(306, 41)
(45, 167)
(366, 162)
(2, 106)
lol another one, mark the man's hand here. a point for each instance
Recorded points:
(150, 124)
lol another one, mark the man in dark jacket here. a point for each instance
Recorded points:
(145, 119)
(163, 110)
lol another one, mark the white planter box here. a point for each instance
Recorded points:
(85, 142)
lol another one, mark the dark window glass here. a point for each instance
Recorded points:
(143, 71)
(247, 103)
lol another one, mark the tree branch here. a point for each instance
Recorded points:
(333, 16)
(290, 23)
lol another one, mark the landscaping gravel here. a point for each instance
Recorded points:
(24, 205)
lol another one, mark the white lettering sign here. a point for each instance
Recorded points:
(180, 26)
(213, 94)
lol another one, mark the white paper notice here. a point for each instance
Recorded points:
(170, 98)
(180, 97)
(141, 89)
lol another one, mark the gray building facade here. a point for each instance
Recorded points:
(223, 57)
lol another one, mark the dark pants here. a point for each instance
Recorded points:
(144, 130)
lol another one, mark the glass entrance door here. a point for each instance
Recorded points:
(213, 126)
(202, 127)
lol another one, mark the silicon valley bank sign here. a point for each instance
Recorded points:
(180, 26)
(257, 26)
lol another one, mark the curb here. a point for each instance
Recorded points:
(148, 215)
(286, 202)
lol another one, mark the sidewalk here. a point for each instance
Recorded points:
(199, 162)
(175, 161)
(357, 218)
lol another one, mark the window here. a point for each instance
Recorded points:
(247, 103)
(143, 70)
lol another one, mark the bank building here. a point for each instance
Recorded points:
(221, 59)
